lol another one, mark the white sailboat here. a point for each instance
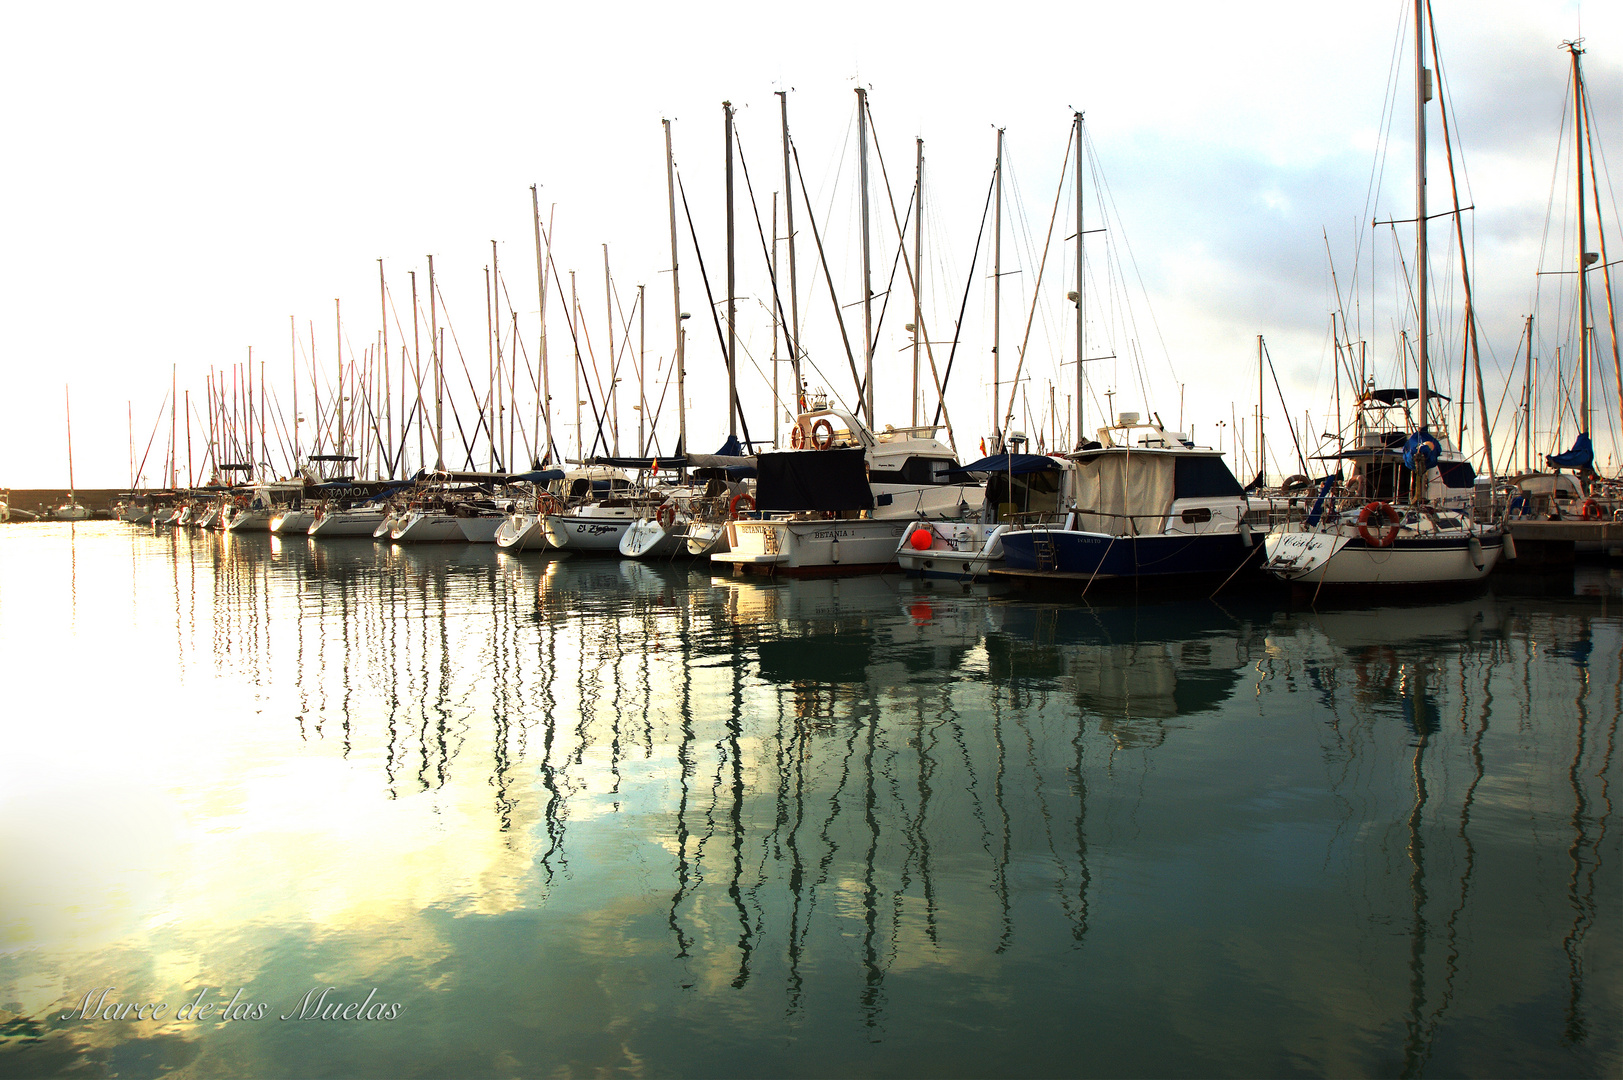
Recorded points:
(1398, 521)
(70, 510)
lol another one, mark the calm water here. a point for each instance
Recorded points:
(571, 817)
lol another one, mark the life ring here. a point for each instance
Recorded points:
(666, 515)
(822, 434)
(797, 438)
(742, 501)
(1385, 536)
(1590, 510)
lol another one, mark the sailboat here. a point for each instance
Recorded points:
(1404, 517)
(70, 510)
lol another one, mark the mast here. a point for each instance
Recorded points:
(416, 368)
(490, 376)
(732, 324)
(1262, 462)
(613, 401)
(642, 369)
(67, 405)
(174, 463)
(918, 263)
(580, 433)
(498, 411)
(676, 300)
(343, 398)
(1081, 289)
(792, 335)
(543, 405)
(383, 357)
(772, 268)
(867, 258)
(293, 357)
(439, 369)
(1422, 95)
(997, 292)
(1583, 239)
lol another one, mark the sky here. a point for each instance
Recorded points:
(184, 179)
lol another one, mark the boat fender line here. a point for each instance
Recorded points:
(1509, 550)
(1246, 538)
(1385, 536)
(1473, 547)
(742, 502)
(666, 515)
(822, 434)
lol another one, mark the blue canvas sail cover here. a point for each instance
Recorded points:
(1009, 464)
(1581, 456)
(1421, 451)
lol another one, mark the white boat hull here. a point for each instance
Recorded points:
(812, 546)
(356, 522)
(290, 522)
(646, 538)
(587, 533)
(426, 527)
(1341, 559)
(480, 530)
(522, 532)
(957, 550)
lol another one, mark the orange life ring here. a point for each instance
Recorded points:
(1590, 510)
(1385, 536)
(797, 438)
(666, 515)
(743, 500)
(822, 434)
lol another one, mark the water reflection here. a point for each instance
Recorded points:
(699, 812)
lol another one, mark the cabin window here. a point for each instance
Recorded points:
(1457, 474)
(1204, 478)
(915, 470)
(1197, 516)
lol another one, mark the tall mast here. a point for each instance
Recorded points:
(642, 368)
(543, 405)
(191, 481)
(676, 299)
(1583, 237)
(343, 398)
(1262, 462)
(580, 433)
(417, 369)
(792, 335)
(490, 378)
(498, 411)
(1081, 288)
(777, 412)
(613, 401)
(867, 259)
(434, 345)
(67, 406)
(732, 325)
(293, 356)
(1422, 95)
(383, 318)
(997, 291)
(918, 266)
(174, 463)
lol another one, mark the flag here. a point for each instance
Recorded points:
(983, 448)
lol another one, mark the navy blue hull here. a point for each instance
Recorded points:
(1125, 556)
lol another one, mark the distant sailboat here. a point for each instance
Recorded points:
(70, 510)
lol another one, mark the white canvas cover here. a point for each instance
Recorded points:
(1123, 494)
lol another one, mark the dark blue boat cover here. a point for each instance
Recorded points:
(1581, 456)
